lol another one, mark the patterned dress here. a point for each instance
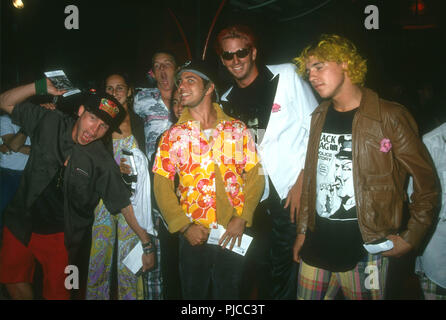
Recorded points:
(109, 231)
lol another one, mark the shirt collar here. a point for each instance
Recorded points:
(369, 104)
(221, 116)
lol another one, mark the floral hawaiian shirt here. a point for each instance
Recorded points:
(150, 107)
(184, 149)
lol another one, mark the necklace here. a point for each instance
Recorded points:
(60, 179)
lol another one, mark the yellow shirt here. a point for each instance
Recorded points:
(206, 168)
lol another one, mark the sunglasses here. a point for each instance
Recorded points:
(241, 53)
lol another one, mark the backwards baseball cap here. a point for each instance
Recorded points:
(107, 108)
(201, 69)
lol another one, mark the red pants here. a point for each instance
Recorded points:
(17, 262)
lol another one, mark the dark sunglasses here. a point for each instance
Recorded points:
(241, 53)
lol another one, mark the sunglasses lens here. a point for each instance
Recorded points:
(230, 55)
(227, 55)
(242, 53)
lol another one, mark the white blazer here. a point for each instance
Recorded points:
(284, 144)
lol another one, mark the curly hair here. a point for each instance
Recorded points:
(235, 32)
(331, 47)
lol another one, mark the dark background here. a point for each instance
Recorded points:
(405, 55)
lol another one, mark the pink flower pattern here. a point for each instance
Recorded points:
(185, 150)
(385, 145)
(276, 107)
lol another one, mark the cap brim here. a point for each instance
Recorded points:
(111, 128)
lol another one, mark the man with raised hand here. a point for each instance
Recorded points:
(68, 171)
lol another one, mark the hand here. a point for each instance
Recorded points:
(400, 247)
(196, 234)
(148, 261)
(125, 169)
(4, 148)
(293, 198)
(49, 106)
(51, 89)
(234, 232)
(298, 243)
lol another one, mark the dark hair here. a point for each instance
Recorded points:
(172, 116)
(206, 73)
(125, 76)
(164, 52)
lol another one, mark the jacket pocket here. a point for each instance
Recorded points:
(383, 209)
(79, 189)
(372, 161)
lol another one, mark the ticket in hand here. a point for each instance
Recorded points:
(61, 82)
(216, 234)
(379, 246)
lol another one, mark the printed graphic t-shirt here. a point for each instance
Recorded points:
(336, 243)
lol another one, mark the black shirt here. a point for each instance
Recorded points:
(91, 174)
(336, 243)
(253, 104)
(47, 210)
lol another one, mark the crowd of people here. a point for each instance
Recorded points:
(182, 177)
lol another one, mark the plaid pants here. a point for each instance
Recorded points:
(153, 280)
(365, 282)
(431, 290)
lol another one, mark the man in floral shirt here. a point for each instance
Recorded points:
(220, 183)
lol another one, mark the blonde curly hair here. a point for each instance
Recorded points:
(331, 47)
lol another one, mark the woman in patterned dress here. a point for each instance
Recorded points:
(111, 234)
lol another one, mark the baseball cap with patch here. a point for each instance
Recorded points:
(107, 108)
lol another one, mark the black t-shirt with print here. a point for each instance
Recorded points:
(336, 243)
(253, 104)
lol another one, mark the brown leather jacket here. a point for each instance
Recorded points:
(379, 177)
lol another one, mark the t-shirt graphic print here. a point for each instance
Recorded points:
(335, 198)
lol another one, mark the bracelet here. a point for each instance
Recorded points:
(147, 244)
(41, 88)
(148, 250)
(148, 247)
